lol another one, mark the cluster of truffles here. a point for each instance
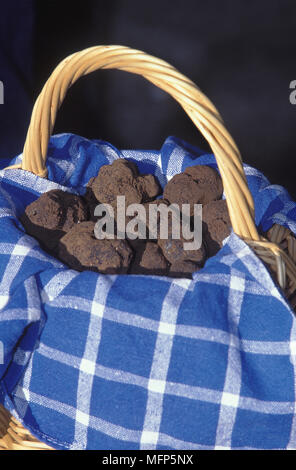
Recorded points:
(64, 223)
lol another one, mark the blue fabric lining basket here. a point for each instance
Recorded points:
(93, 361)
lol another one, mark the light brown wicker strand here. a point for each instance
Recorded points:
(13, 436)
(286, 240)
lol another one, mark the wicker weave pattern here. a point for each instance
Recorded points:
(13, 436)
(277, 250)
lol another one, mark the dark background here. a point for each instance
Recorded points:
(240, 53)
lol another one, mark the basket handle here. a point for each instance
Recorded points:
(198, 107)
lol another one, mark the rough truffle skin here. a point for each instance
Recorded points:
(115, 180)
(183, 269)
(149, 187)
(149, 260)
(128, 164)
(64, 223)
(91, 200)
(81, 250)
(208, 180)
(182, 189)
(216, 225)
(52, 215)
(122, 178)
(173, 248)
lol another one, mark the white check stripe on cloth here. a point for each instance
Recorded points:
(57, 284)
(35, 252)
(88, 361)
(175, 162)
(33, 306)
(94, 368)
(251, 287)
(292, 443)
(248, 258)
(133, 435)
(106, 427)
(231, 392)
(31, 181)
(19, 252)
(160, 364)
(67, 166)
(172, 388)
(195, 332)
(80, 418)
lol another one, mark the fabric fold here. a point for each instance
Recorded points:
(95, 361)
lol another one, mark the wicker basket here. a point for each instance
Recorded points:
(277, 249)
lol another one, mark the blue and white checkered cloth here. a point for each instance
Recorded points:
(96, 361)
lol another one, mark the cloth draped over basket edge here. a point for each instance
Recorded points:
(133, 362)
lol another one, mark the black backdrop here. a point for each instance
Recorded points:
(240, 53)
